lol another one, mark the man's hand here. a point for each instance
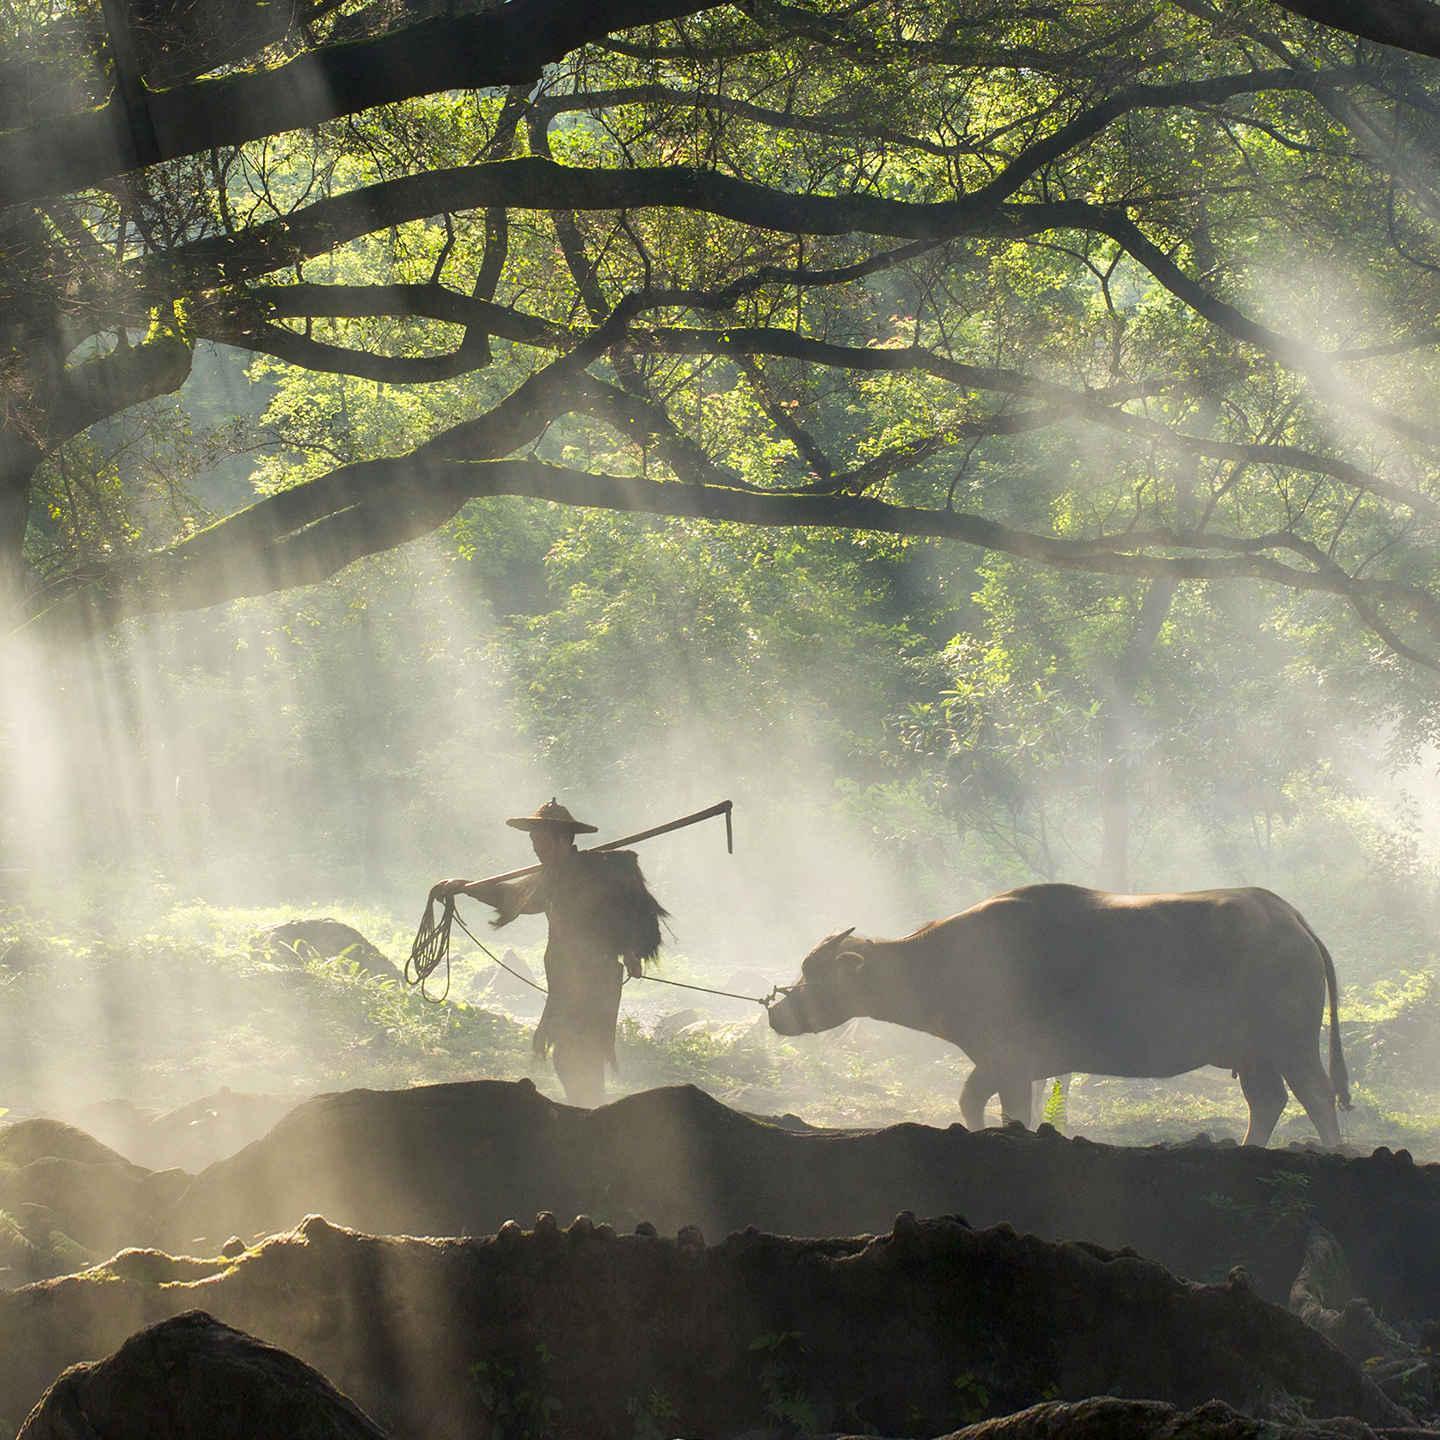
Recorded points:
(446, 888)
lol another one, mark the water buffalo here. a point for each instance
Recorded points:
(1048, 979)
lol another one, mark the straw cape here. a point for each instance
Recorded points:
(552, 815)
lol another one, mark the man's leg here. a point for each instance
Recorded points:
(581, 1068)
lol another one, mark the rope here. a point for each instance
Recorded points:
(766, 1001)
(507, 968)
(432, 945)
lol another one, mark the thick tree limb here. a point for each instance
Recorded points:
(535, 182)
(742, 343)
(307, 353)
(376, 505)
(508, 44)
(1405, 24)
(105, 386)
(541, 184)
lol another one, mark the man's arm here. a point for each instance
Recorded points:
(510, 897)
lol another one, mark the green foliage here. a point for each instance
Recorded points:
(958, 712)
(514, 1395)
(972, 1398)
(1056, 1107)
(779, 1362)
(654, 1416)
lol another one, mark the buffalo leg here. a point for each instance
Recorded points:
(1307, 1078)
(975, 1095)
(1015, 1100)
(1265, 1092)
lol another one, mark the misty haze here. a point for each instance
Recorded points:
(979, 459)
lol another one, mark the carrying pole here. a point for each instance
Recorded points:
(723, 808)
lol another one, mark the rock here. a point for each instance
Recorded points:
(29, 1140)
(192, 1378)
(855, 1331)
(667, 1027)
(496, 985)
(1108, 1419)
(326, 939)
(746, 982)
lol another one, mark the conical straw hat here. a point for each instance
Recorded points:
(554, 815)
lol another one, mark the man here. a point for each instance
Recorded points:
(600, 914)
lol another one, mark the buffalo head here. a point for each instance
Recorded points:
(830, 991)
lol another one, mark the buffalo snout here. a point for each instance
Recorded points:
(787, 1015)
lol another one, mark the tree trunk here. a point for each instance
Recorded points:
(1114, 804)
(17, 465)
(1119, 720)
(1120, 714)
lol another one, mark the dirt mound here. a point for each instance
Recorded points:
(67, 1200)
(188, 1138)
(587, 1334)
(461, 1159)
(192, 1378)
(1107, 1419)
(28, 1140)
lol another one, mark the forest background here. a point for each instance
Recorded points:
(1059, 377)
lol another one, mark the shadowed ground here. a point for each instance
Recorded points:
(463, 1158)
(583, 1333)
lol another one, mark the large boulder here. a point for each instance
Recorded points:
(26, 1141)
(583, 1333)
(1323, 1297)
(323, 939)
(192, 1378)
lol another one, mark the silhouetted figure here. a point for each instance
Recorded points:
(600, 915)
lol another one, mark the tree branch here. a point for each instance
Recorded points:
(1405, 24)
(375, 505)
(743, 342)
(507, 44)
(102, 387)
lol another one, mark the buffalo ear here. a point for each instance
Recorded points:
(852, 960)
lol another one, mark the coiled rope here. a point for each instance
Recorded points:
(432, 945)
